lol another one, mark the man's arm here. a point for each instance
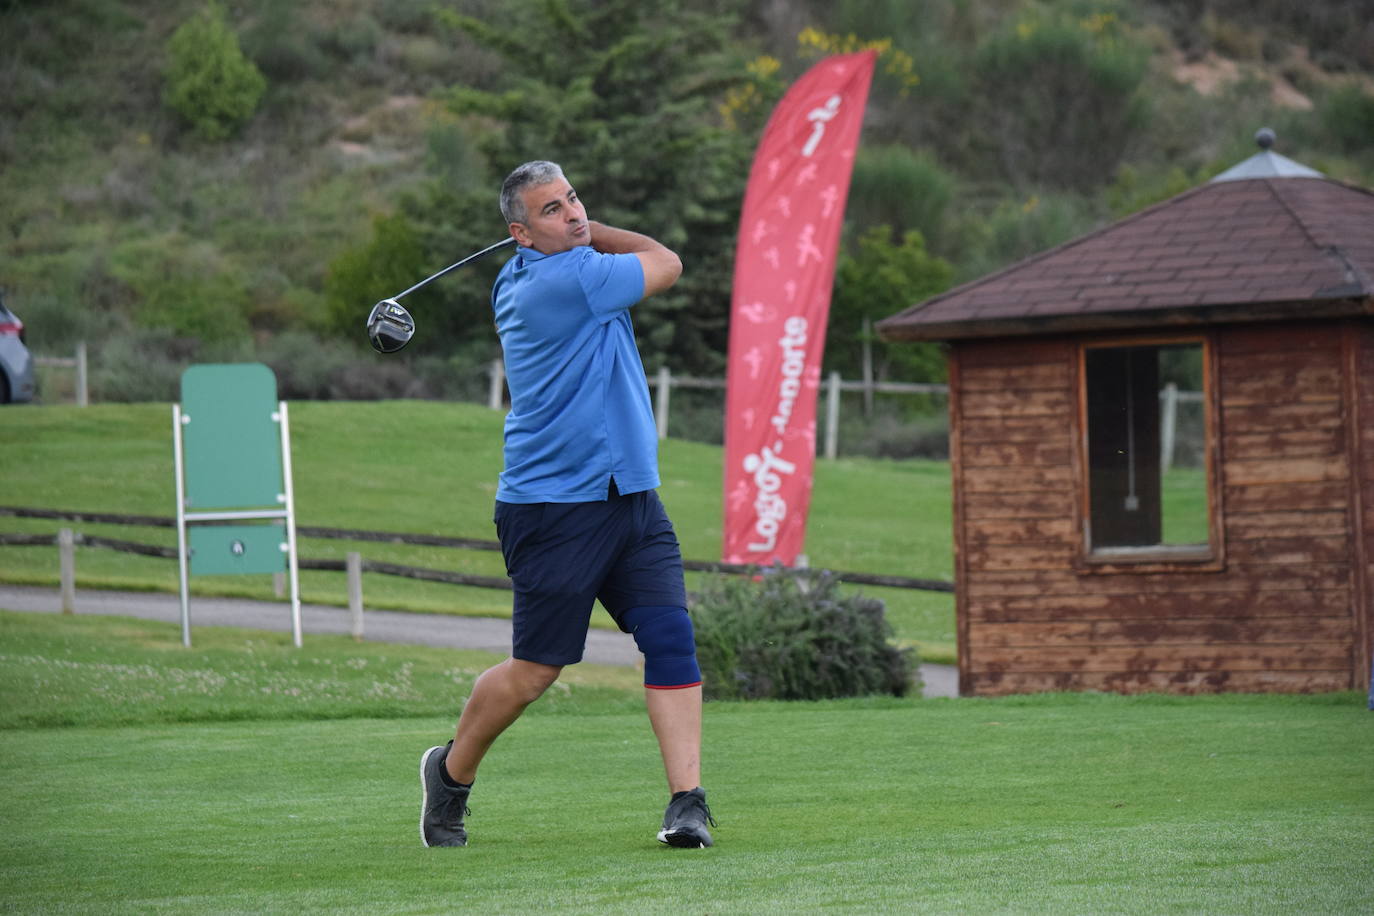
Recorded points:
(661, 266)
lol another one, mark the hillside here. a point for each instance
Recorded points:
(996, 128)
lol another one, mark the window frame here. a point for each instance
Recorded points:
(1209, 557)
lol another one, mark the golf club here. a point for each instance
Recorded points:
(390, 326)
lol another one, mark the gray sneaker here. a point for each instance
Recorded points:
(441, 809)
(684, 823)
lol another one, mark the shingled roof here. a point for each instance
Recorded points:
(1282, 245)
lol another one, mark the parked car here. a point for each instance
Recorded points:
(16, 364)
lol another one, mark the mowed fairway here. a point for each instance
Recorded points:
(1078, 803)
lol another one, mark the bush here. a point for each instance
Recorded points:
(883, 276)
(184, 287)
(789, 635)
(209, 81)
(896, 430)
(313, 369)
(696, 414)
(1061, 100)
(307, 367)
(1014, 229)
(284, 44)
(56, 320)
(140, 365)
(1347, 115)
(355, 38)
(901, 188)
(415, 16)
(393, 259)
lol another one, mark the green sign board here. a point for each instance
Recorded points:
(228, 549)
(231, 447)
(231, 437)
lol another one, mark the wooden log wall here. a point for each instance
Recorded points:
(1360, 346)
(1280, 608)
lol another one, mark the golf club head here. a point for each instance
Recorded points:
(390, 326)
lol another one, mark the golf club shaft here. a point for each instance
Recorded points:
(452, 267)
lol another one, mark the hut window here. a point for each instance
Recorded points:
(1146, 450)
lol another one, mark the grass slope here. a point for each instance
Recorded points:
(1053, 803)
(431, 467)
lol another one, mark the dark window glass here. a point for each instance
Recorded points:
(1146, 447)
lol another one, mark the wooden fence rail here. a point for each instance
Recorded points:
(388, 537)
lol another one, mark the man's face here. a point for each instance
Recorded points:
(555, 220)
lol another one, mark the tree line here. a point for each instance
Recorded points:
(995, 129)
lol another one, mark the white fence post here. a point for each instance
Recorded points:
(66, 548)
(497, 386)
(665, 385)
(867, 338)
(82, 393)
(832, 416)
(1168, 426)
(354, 563)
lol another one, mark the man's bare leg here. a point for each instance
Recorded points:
(499, 695)
(676, 719)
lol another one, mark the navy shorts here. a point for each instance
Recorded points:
(563, 557)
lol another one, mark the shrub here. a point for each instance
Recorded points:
(140, 365)
(391, 260)
(789, 635)
(209, 82)
(184, 287)
(306, 366)
(1015, 228)
(1062, 99)
(1347, 115)
(697, 414)
(355, 38)
(311, 368)
(895, 430)
(883, 276)
(901, 188)
(56, 319)
(415, 16)
(284, 44)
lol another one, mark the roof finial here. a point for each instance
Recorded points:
(1267, 163)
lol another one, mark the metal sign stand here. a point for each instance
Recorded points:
(233, 463)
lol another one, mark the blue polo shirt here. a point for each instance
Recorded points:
(580, 411)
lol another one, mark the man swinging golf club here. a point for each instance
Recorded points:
(576, 511)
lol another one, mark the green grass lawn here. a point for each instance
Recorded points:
(1183, 512)
(1050, 804)
(110, 671)
(431, 467)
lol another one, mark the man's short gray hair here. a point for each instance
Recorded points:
(528, 175)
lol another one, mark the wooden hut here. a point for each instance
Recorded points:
(1096, 549)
